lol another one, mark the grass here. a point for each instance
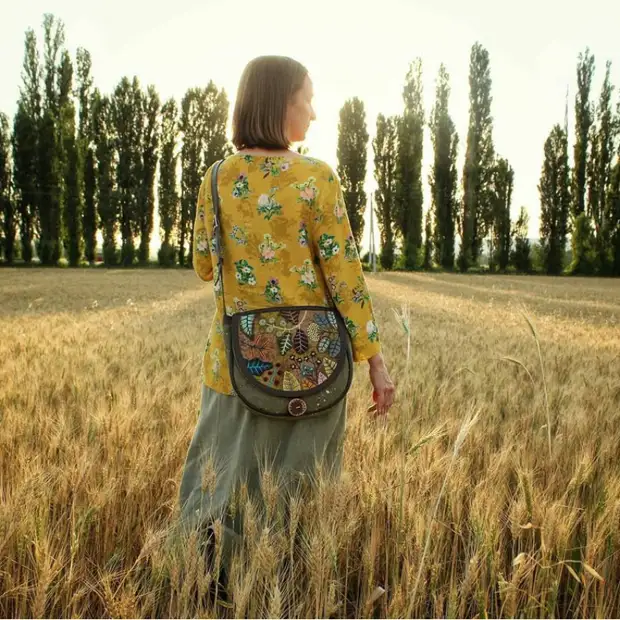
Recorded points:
(494, 490)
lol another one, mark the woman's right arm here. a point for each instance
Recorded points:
(201, 254)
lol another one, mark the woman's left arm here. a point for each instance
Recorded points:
(203, 265)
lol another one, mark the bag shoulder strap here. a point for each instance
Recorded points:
(217, 233)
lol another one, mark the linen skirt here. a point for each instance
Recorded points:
(233, 447)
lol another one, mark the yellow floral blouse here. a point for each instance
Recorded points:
(286, 240)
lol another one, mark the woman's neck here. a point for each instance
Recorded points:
(269, 153)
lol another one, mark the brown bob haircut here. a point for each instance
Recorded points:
(267, 85)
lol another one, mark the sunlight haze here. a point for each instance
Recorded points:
(350, 50)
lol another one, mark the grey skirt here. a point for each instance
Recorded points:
(233, 447)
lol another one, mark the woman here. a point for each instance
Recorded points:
(286, 241)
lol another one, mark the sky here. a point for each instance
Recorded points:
(351, 49)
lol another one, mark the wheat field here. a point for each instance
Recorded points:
(492, 491)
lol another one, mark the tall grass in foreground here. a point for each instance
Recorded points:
(493, 490)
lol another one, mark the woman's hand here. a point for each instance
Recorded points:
(381, 383)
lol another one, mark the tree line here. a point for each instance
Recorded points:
(581, 202)
(76, 162)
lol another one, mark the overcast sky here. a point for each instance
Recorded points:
(351, 49)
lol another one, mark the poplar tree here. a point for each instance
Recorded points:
(385, 152)
(352, 159)
(479, 160)
(443, 178)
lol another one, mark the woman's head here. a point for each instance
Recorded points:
(274, 104)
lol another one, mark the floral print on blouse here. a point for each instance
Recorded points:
(286, 241)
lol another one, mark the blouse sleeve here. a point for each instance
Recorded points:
(339, 261)
(203, 265)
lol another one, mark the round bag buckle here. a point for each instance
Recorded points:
(297, 407)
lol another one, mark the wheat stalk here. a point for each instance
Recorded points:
(544, 381)
(468, 422)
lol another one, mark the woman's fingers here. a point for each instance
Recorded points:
(380, 401)
(385, 400)
(383, 389)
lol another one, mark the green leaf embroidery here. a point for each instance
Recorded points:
(332, 319)
(334, 348)
(247, 324)
(324, 344)
(285, 343)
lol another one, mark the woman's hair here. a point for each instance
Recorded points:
(267, 85)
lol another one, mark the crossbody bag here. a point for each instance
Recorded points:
(287, 361)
